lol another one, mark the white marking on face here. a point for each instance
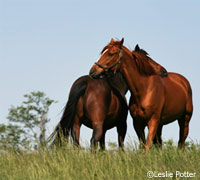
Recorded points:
(102, 55)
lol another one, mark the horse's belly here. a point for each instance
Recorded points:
(171, 114)
(165, 121)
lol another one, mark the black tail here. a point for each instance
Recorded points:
(64, 127)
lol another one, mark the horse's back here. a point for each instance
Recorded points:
(178, 78)
(179, 82)
(85, 78)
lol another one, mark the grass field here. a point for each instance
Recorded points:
(70, 163)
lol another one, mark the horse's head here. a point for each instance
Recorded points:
(109, 60)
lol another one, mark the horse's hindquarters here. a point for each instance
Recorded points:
(178, 98)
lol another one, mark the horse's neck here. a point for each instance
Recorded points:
(154, 64)
(121, 83)
(118, 82)
(157, 67)
(135, 81)
(123, 87)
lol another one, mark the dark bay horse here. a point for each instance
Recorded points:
(99, 104)
(155, 101)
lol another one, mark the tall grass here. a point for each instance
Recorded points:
(71, 163)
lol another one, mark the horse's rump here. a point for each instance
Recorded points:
(178, 97)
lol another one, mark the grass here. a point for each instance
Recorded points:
(70, 163)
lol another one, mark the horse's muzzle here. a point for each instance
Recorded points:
(94, 73)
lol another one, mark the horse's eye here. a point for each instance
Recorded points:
(110, 54)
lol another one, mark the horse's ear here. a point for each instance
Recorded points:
(112, 41)
(137, 48)
(121, 42)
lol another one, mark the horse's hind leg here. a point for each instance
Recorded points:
(158, 140)
(184, 121)
(96, 135)
(184, 129)
(102, 141)
(76, 131)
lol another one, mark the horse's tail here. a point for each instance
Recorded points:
(64, 127)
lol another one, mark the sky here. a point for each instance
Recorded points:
(45, 45)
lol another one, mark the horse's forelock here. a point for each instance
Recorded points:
(112, 43)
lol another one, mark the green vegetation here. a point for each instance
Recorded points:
(71, 163)
(24, 155)
(26, 123)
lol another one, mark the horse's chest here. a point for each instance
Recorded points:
(137, 111)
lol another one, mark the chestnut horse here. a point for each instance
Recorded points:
(99, 104)
(155, 101)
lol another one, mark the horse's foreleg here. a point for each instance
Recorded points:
(184, 129)
(121, 130)
(140, 132)
(158, 140)
(153, 126)
(102, 141)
